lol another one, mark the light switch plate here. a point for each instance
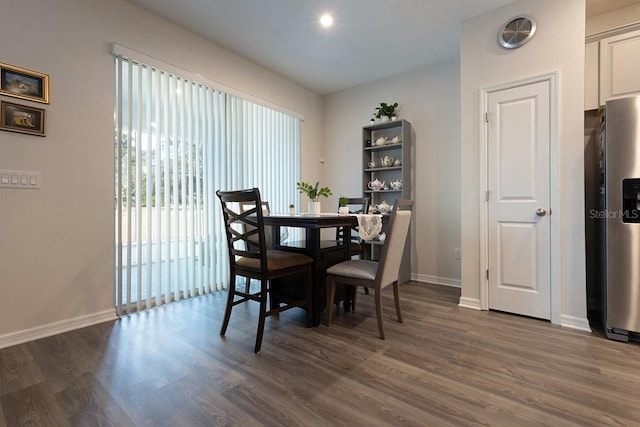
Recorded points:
(20, 179)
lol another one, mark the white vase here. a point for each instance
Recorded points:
(384, 119)
(313, 208)
(343, 210)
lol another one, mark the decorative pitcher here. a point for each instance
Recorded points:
(376, 185)
(396, 185)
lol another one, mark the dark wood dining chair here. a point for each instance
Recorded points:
(356, 205)
(266, 210)
(250, 258)
(376, 275)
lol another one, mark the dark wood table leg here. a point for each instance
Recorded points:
(313, 246)
(323, 259)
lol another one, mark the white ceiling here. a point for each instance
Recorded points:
(370, 40)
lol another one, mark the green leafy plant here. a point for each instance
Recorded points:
(386, 110)
(342, 202)
(314, 192)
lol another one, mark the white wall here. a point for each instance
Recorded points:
(429, 98)
(56, 244)
(555, 47)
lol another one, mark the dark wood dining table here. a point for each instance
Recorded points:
(324, 252)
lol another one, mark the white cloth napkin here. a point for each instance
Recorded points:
(369, 225)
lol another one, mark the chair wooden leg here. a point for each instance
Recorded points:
(263, 315)
(364, 256)
(378, 297)
(227, 310)
(396, 298)
(348, 298)
(331, 292)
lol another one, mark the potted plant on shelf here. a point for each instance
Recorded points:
(343, 209)
(313, 192)
(386, 112)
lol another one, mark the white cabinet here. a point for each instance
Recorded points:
(619, 66)
(591, 87)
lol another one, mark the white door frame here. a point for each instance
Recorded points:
(554, 184)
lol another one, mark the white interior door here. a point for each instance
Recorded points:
(518, 229)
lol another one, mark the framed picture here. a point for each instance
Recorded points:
(24, 84)
(20, 118)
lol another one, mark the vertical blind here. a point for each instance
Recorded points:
(177, 141)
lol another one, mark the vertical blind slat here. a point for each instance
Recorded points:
(198, 194)
(167, 213)
(149, 187)
(138, 184)
(131, 136)
(118, 167)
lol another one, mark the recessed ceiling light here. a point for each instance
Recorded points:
(326, 20)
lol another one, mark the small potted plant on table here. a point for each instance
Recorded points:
(314, 192)
(343, 209)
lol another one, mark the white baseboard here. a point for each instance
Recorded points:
(55, 328)
(445, 281)
(472, 303)
(579, 323)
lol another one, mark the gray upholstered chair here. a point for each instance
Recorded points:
(250, 258)
(356, 205)
(372, 274)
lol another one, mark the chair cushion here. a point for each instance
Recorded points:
(356, 268)
(276, 260)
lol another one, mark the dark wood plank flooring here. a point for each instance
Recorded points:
(443, 366)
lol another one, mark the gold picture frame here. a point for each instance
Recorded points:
(24, 84)
(21, 118)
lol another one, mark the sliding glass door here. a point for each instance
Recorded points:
(177, 141)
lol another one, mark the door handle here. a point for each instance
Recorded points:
(541, 212)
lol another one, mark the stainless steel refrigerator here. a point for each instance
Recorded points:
(620, 196)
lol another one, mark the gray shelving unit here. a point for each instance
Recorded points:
(373, 152)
